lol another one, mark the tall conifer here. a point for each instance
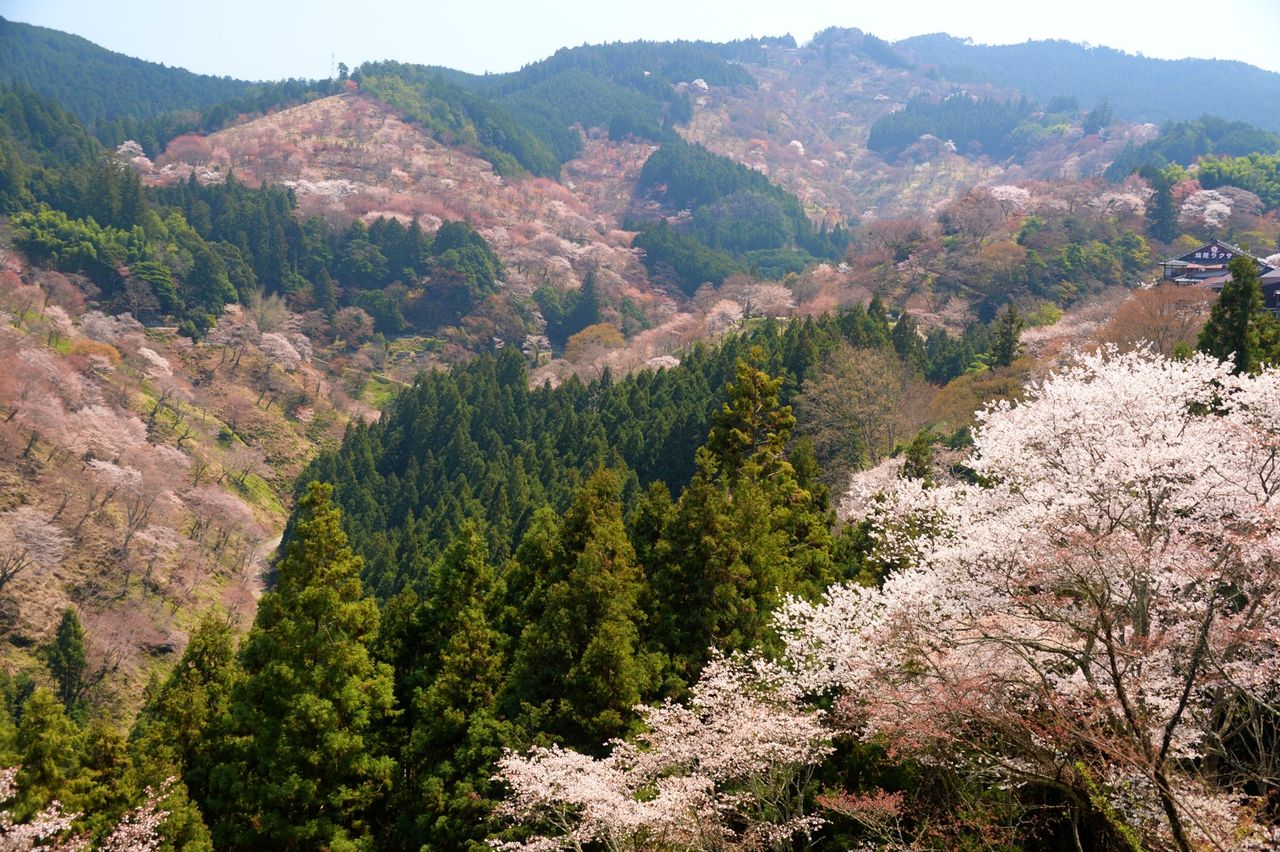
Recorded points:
(1239, 326)
(311, 697)
(578, 669)
(67, 660)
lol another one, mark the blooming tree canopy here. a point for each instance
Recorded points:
(1100, 617)
(737, 754)
(50, 829)
(1093, 617)
(27, 540)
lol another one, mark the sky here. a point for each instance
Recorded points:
(274, 39)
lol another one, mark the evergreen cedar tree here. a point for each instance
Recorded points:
(449, 662)
(1006, 347)
(1240, 328)
(1162, 212)
(66, 659)
(305, 715)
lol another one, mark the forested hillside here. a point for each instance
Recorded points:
(526, 119)
(97, 85)
(752, 446)
(1183, 142)
(853, 130)
(477, 441)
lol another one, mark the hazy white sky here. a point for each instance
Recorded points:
(272, 39)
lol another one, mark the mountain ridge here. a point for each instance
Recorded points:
(1138, 87)
(98, 84)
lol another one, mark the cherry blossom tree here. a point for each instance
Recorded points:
(279, 350)
(98, 326)
(1093, 620)
(738, 754)
(103, 432)
(1101, 619)
(148, 494)
(36, 389)
(26, 541)
(42, 830)
(169, 392)
(215, 511)
(105, 480)
(1011, 199)
(156, 364)
(137, 831)
(241, 460)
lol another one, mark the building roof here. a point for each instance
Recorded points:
(1207, 266)
(1214, 250)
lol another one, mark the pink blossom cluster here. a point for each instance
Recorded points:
(737, 754)
(1087, 610)
(137, 831)
(41, 830)
(1080, 616)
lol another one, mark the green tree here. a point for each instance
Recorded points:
(1007, 345)
(310, 698)
(67, 661)
(586, 307)
(743, 533)
(1239, 326)
(183, 725)
(48, 752)
(751, 423)
(907, 342)
(160, 281)
(104, 788)
(578, 669)
(456, 736)
(877, 314)
(1099, 118)
(1162, 212)
(918, 458)
(326, 295)
(207, 287)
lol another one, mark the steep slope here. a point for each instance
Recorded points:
(351, 156)
(1139, 88)
(354, 157)
(144, 478)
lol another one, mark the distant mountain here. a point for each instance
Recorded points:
(1139, 88)
(99, 85)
